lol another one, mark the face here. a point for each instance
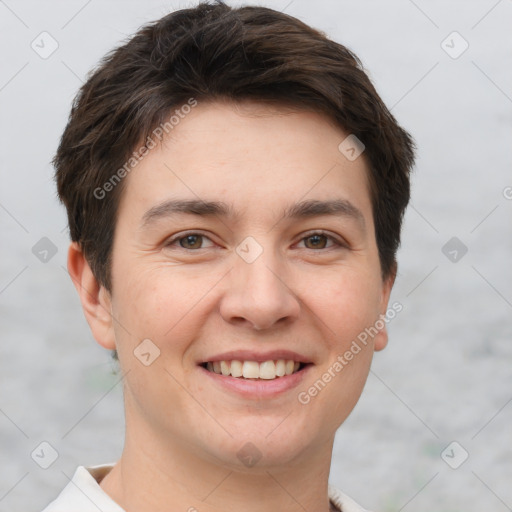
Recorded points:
(246, 237)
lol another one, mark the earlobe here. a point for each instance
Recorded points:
(381, 339)
(94, 297)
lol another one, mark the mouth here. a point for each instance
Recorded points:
(254, 370)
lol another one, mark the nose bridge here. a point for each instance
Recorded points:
(262, 277)
(258, 290)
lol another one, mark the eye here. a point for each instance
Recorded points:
(195, 241)
(189, 241)
(319, 240)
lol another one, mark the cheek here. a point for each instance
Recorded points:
(160, 301)
(348, 303)
(347, 307)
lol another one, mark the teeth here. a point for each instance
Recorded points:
(280, 367)
(224, 368)
(251, 370)
(235, 368)
(266, 370)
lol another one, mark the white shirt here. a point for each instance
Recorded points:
(84, 494)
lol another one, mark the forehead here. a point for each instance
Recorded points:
(250, 156)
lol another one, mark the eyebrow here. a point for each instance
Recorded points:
(303, 209)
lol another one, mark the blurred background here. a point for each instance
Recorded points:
(433, 429)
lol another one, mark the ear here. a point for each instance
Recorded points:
(95, 299)
(381, 338)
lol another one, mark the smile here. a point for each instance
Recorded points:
(265, 370)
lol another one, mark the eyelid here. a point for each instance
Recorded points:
(175, 238)
(337, 242)
(340, 242)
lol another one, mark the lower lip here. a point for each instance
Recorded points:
(258, 388)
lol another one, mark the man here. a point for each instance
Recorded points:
(235, 189)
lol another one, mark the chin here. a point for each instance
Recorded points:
(262, 445)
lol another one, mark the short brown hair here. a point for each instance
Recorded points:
(215, 52)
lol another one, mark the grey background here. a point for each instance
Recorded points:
(446, 374)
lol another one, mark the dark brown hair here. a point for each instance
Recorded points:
(215, 52)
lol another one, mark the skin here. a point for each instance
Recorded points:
(195, 300)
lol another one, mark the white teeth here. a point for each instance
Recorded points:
(280, 367)
(236, 368)
(266, 370)
(224, 367)
(251, 370)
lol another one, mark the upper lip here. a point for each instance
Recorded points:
(253, 355)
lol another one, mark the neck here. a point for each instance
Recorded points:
(159, 475)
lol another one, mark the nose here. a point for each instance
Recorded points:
(259, 295)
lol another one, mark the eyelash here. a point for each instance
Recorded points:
(335, 241)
